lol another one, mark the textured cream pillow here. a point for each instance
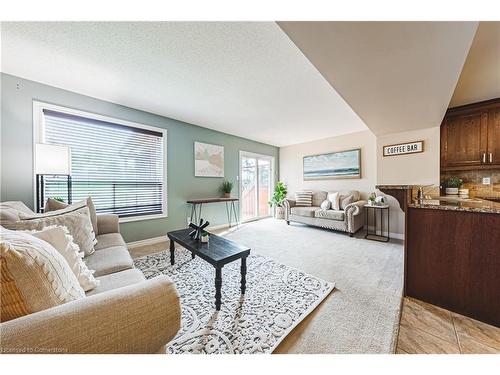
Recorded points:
(54, 205)
(35, 276)
(334, 199)
(77, 222)
(62, 241)
(326, 204)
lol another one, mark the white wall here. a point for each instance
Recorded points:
(411, 169)
(415, 169)
(291, 163)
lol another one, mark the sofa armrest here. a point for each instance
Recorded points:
(139, 318)
(353, 216)
(107, 223)
(355, 208)
(287, 205)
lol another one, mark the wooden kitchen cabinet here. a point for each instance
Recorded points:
(470, 136)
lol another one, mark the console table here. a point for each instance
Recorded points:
(230, 208)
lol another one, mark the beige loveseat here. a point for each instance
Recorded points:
(350, 219)
(125, 314)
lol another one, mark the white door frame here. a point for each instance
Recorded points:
(271, 176)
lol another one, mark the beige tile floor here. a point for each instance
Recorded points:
(428, 329)
(424, 328)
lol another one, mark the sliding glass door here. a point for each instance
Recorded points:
(256, 182)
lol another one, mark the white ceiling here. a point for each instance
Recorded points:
(480, 77)
(246, 79)
(397, 76)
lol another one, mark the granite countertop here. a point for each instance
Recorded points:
(459, 204)
(396, 187)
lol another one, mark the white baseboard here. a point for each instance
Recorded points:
(398, 236)
(147, 241)
(155, 240)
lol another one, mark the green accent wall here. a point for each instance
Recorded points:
(17, 97)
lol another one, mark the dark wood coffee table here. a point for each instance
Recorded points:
(218, 252)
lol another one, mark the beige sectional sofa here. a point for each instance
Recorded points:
(350, 219)
(125, 313)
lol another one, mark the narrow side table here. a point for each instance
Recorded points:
(373, 235)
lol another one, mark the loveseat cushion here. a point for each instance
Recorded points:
(110, 260)
(304, 211)
(330, 214)
(109, 240)
(118, 280)
(319, 197)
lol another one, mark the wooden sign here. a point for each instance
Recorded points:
(404, 148)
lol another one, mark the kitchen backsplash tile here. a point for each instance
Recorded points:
(473, 180)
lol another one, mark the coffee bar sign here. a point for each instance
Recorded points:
(404, 148)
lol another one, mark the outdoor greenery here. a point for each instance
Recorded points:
(279, 195)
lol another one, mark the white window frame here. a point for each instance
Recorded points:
(38, 137)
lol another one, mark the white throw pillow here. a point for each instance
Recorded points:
(334, 199)
(326, 204)
(35, 276)
(61, 240)
(77, 221)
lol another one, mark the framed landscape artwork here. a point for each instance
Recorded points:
(342, 164)
(208, 160)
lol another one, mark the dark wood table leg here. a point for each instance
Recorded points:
(243, 274)
(172, 251)
(192, 255)
(218, 286)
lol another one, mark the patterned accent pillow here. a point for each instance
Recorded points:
(77, 222)
(303, 198)
(34, 277)
(62, 241)
(53, 205)
(345, 200)
(326, 204)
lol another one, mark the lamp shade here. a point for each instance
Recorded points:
(52, 159)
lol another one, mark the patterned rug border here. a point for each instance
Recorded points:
(331, 288)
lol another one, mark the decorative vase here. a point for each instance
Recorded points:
(204, 238)
(227, 195)
(451, 191)
(279, 213)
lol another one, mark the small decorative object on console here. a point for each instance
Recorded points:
(197, 231)
(204, 237)
(226, 188)
(371, 199)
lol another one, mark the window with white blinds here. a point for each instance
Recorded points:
(121, 167)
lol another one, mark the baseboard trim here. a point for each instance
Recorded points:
(147, 241)
(398, 236)
(155, 240)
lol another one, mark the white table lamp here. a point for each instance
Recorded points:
(53, 160)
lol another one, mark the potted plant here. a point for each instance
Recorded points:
(371, 199)
(226, 188)
(451, 185)
(277, 199)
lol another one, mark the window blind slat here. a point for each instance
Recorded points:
(119, 166)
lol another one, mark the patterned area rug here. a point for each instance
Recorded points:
(277, 298)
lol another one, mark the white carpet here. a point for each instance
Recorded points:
(362, 313)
